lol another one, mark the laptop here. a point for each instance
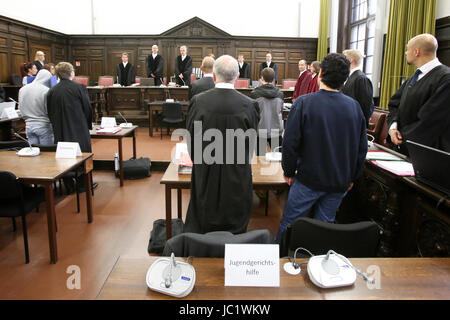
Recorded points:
(431, 166)
(147, 82)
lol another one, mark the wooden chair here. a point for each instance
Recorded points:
(376, 123)
(242, 83)
(289, 83)
(106, 81)
(82, 79)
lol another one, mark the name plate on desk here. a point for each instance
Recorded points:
(252, 265)
(68, 150)
(108, 122)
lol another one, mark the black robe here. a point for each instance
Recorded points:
(221, 194)
(201, 85)
(360, 88)
(184, 67)
(70, 113)
(422, 110)
(155, 66)
(125, 76)
(38, 64)
(244, 72)
(273, 65)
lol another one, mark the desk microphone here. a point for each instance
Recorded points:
(13, 100)
(184, 83)
(27, 152)
(126, 124)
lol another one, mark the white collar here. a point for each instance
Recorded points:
(208, 75)
(241, 64)
(154, 55)
(302, 73)
(183, 57)
(427, 67)
(354, 70)
(224, 85)
(314, 75)
(125, 63)
(268, 63)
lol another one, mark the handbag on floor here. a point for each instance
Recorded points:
(136, 168)
(158, 234)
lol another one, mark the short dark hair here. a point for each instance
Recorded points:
(268, 75)
(335, 70)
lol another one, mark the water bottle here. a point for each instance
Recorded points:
(116, 164)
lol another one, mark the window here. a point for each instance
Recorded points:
(362, 31)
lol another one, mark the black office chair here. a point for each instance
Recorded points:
(171, 114)
(13, 145)
(211, 244)
(351, 240)
(17, 200)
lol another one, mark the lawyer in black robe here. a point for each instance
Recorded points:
(422, 110)
(201, 85)
(184, 67)
(360, 88)
(244, 72)
(221, 194)
(70, 113)
(125, 76)
(155, 66)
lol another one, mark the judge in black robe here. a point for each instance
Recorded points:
(70, 113)
(244, 68)
(360, 88)
(269, 64)
(422, 111)
(221, 190)
(183, 66)
(125, 72)
(155, 66)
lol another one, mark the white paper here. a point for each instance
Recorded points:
(252, 265)
(108, 122)
(68, 150)
(9, 112)
(402, 168)
(381, 155)
(179, 149)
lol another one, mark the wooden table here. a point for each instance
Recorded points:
(125, 132)
(158, 106)
(44, 170)
(265, 176)
(410, 278)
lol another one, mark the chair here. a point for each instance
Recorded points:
(242, 83)
(105, 81)
(376, 123)
(211, 244)
(193, 78)
(351, 240)
(171, 114)
(137, 80)
(289, 83)
(16, 79)
(17, 200)
(82, 79)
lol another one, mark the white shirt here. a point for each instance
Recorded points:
(301, 73)
(353, 71)
(208, 75)
(426, 68)
(241, 64)
(183, 57)
(314, 75)
(224, 85)
(124, 64)
(154, 55)
(268, 64)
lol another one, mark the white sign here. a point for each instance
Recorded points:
(252, 265)
(9, 110)
(108, 122)
(68, 150)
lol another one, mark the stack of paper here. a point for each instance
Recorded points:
(185, 164)
(381, 155)
(399, 168)
(109, 130)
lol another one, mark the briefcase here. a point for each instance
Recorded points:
(158, 234)
(136, 168)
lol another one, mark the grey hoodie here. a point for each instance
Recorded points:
(33, 100)
(270, 100)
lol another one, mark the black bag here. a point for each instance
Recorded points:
(158, 234)
(136, 168)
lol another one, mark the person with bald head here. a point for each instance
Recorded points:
(303, 81)
(221, 182)
(419, 111)
(155, 66)
(205, 83)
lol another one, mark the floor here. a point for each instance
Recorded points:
(123, 219)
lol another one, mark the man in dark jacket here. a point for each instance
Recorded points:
(324, 146)
(270, 100)
(205, 83)
(125, 72)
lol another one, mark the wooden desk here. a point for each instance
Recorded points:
(418, 278)
(44, 170)
(265, 176)
(125, 132)
(157, 106)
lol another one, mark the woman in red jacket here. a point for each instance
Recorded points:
(314, 84)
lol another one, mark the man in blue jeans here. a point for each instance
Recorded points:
(324, 146)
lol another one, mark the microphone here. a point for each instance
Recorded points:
(173, 264)
(21, 138)
(27, 152)
(126, 124)
(184, 83)
(12, 100)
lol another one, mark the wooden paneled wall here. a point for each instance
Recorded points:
(19, 43)
(97, 55)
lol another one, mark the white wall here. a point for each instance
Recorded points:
(237, 17)
(442, 8)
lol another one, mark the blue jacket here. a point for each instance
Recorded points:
(325, 141)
